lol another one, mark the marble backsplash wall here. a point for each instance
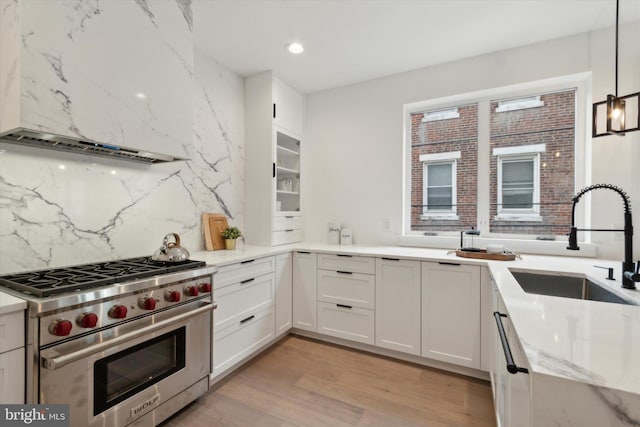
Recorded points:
(61, 209)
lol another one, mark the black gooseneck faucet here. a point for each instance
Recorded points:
(630, 272)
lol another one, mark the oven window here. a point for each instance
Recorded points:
(130, 371)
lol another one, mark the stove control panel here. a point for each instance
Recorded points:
(99, 315)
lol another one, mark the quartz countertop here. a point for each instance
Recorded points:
(9, 303)
(592, 342)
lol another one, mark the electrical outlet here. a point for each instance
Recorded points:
(386, 224)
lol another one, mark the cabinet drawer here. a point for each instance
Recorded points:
(11, 331)
(352, 289)
(242, 299)
(281, 223)
(356, 324)
(242, 339)
(351, 263)
(229, 274)
(284, 237)
(12, 376)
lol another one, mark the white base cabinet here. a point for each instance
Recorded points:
(244, 321)
(346, 297)
(284, 293)
(398, 305)
(12, 358)
(305, 287)
(348, 322)
(451, 313)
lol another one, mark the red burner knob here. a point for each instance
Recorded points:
(191, 291)
(172, 296)
(87, 320)
(60, 328)
(205, 287)
(147, 303)
(118, 312)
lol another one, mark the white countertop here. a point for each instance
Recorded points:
(593, 342)
(9, 303)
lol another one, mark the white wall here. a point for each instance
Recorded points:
(354, 134)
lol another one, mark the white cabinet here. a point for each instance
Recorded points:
(288, 107)
(273, 142)
(512, 390)
(12, 368)
(305, 291)
(398, 305)
(451, 313)
(284, 293)
(245, 318)
(346, 297)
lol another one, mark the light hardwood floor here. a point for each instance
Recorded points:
(303, 382)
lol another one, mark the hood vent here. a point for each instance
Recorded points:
(50, 141)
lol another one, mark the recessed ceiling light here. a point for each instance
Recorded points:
(295, 48)
(140, 95)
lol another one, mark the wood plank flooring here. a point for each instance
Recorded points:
(304, 382)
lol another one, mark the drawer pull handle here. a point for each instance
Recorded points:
(288, 231)
(247, 261)
(289, 217)
(449, 263)
(511, 366)
(248, 318)
(344, 306)
(302, 252)
(343, 272)
(346, 256)
(247, 281)
(391, 259)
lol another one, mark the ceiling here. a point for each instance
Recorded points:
(350, 41)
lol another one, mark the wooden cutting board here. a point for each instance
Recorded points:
(213, 224)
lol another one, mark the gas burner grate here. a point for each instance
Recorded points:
(44, 283)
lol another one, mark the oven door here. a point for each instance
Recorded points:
(114, 377)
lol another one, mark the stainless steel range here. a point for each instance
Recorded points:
(124, 342)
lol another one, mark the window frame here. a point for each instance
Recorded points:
(581, 82)
(519, 214)
(439, 159)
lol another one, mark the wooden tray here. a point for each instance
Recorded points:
(213, 224)
(483, 254)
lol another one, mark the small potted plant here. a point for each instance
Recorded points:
(230, 234)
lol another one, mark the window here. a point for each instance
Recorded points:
(506, 161)
(439, 188)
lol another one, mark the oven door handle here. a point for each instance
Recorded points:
(59, 360)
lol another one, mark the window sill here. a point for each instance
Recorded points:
(446, 217)
(518, 217)
(556, 247)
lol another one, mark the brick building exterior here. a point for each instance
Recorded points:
(552, 124)
(442, 136)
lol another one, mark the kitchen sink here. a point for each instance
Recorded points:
(566, 287)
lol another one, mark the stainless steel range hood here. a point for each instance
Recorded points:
(31, 138)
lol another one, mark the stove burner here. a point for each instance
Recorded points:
(44, 283)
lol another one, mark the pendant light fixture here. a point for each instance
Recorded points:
(618, 114)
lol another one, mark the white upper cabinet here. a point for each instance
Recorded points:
(116, 72)
(288, 107)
